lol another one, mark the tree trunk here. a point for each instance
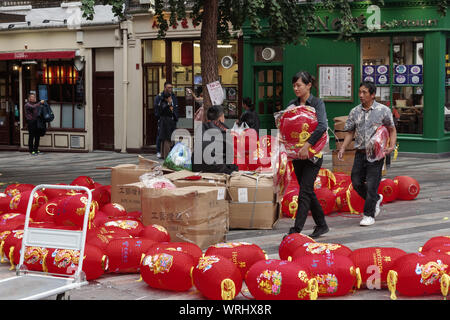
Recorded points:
(208, 49)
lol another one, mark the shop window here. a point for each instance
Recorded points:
(60, 84)
(395, 65)
(447, 89)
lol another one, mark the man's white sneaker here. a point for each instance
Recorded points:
(158, 155)
(367, 221)
(378, 205)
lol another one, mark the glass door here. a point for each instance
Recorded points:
(9, 104)
(268, 94)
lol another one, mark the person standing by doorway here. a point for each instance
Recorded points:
(249, 116)
(34, 123)
(306, 169)
(168, 90)
(362, 123)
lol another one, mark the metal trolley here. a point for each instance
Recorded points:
(32, 285)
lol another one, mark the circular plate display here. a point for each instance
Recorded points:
(415, 69)
(400, 79)
(400, 69)
(382, 69)
(369, 70)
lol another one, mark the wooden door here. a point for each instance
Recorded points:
(152, 89)
(268, 94)
(103, 110)
(9, 105)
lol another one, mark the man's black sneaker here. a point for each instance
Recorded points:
(318, 231)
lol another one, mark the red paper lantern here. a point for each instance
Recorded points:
(114, 210)
(296, 126)
(133, 227)
(434, 242)
(84, 181)
(190, 248)
(217, 278)
(291, 243)
(336, 275)
(354, 200)
(327, 199)
(443, 248)
(100, 219)
(316, 248)
(374, 264)
(101, 236)
(57, 193)
(70, 211)
(125, 255)
(186, 53)
(12, 240)
(242, 254)
(408, 187)
(280, 167)
(415, 274)
(341, 199)
(62, 261)
(33, 259)
(19, 202)
(377, 144)
(12, 221)
(95, 262)
(245, 146)
(342, 180)
(3, 235)
(280, 280)
(289, 201)
(325, 179)
(4, 203)
(156, 233)
(45, 212)
(101, 194)
(389, 189)
(16, 188)
(168, 270)
(265, 151)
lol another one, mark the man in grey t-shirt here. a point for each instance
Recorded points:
(362, 123)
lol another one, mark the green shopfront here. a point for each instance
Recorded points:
(407, 58)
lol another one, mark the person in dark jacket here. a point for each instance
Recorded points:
(250, 117)
(168, 124)
(168, 89)
(208, 155)
(35, 124)
(306, 169)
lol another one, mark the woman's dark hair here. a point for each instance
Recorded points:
(214, 112)
(248, 102)
(166, 95)
(306, 78)
(369, 85)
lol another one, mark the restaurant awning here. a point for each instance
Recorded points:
(28, 55)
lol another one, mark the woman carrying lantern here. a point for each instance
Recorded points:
(306, 167)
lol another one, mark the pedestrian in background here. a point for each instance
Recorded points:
(35, 123)
(168, 123)
(249, 116)
(362, 123)
(306, 169)
(168, 89)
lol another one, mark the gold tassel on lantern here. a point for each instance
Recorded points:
(228, 289)
(445, 280)
(392, 279)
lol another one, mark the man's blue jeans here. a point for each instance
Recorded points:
(366, 177)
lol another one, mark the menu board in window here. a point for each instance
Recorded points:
(335, 82)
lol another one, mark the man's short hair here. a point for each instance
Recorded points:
(214, 112)
(369, 85)
(31, 94)
(166, 83)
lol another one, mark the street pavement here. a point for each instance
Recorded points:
(402, 224)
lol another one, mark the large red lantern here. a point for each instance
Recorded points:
(114, 210)
(70, 211)
(415, 274)
(101, 236)
(95, 262)
(46, 212)
(84, 181)
(217, 278)
(408, 187)
(374, 264)
(336, 275)
(434, 242)
(16, 188)
(133, 227)
(342, 180)
(10, 243)
(280, 280)
(325, 179)
(57, 193)
(354, 200)
(12, 221)
(289, 201)
(265, 152)
(327, 199)
(443, 248)
(156, 233)
(291, 243)
(296, 125)
(341, 199)
(316, 248)
(19, 202)
(33, 258)
(101, 194)
(242, 254)
(168, 270)
(389, 189)
(125, 255)
(190, 248)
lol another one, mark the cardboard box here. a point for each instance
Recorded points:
(129, 196)
(253, 203)
(196, 214)
(181, 179)
(129, 173)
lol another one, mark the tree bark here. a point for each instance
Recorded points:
(208, 49)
